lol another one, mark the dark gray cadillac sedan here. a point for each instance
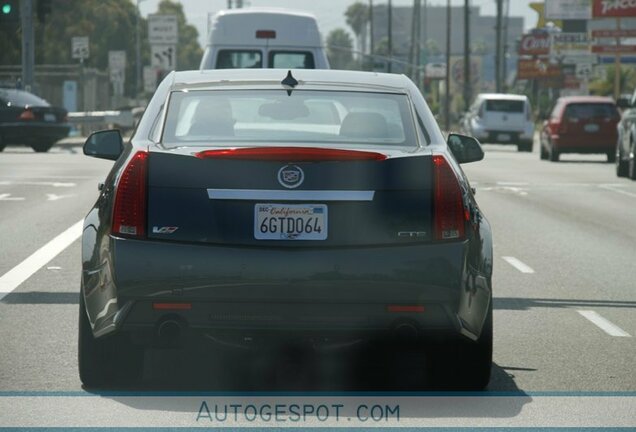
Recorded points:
(258, 204)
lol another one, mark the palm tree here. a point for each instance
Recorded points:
(339, 47)
(357, 16)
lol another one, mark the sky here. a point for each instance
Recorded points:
(329, 13)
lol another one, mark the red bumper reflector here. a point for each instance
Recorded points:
(405, 308)
(290, 154)
(172, 306)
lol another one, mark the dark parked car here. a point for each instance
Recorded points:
(580, 124)
(26, 119)
(254, 205)
(626, 143)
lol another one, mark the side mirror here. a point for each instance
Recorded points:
(623, 103)
(465, 149)
(104, 144)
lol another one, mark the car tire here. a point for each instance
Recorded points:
(631, 171)
(553, 154)
(524, 146)
(106, 361)
(42, 147)
(622, 167)
(2, 144)
(611, 157)
(467, 365)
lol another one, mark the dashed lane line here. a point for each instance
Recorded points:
(614, 189)
(18, 274)
(518, 264)
(605, 325)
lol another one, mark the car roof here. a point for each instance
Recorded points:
(505, 96)
(586, 99)
(265, 10)
(327, 78)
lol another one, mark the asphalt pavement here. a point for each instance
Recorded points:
(564, 276)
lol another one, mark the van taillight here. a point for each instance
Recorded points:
(450, 215)
(129, 213)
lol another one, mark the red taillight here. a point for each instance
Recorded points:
(449, 212)
(265, 34)
(172, 306)
(405, 308)
(27, 114)
(129, 214)
(290, 154)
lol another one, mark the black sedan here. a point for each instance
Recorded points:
(257, 205)
(26, 119)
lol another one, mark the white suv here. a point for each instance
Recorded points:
(501, 119)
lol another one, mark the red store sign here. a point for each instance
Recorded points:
(614, 8)
(535, 44)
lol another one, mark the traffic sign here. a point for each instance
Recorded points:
(163, 57)
(163, 30)
(79, 47)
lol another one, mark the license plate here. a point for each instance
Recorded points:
(49, 117)
(591, 128)
(503, 137)
(290, 222)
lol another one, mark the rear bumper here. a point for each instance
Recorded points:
(29, 133)
(599, 144)
(315, 290)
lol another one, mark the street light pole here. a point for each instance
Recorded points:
(448, 53)
(138, 77)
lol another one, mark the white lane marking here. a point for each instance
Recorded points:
(513, 183)
(8, 197)
(613, 189)
(18, 274)
(513, 189)
(54, 197)
(519, 265)
(36, 183)
(605, 325)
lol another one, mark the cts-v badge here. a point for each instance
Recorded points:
(164, 230)
(291, 176)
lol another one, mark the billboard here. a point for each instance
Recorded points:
(568, 9)
(614, 8)
(537, 69)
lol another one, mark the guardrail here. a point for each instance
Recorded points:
(94, 120)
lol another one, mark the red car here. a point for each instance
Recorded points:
(581, 124)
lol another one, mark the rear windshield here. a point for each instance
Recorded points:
(20, 98)
(291, 60)
(205, 117)
(239, 59)
(591, 110)
(504, 105)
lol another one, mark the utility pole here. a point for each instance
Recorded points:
(390, 30)
(448, 53)
(371, 51)
(467, 77)
(498, 47)
(28, 48)
(418, 42)
(414, 39)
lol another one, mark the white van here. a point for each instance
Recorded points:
(501, 119)
(264, 38)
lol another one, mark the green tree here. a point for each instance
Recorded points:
(189, 51)
(357, 16)
(605, 87)
(339, 47)
(109, 25)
